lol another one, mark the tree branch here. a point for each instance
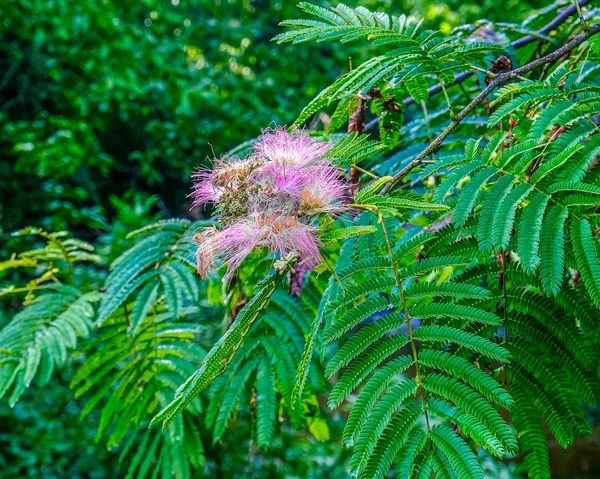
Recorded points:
(564, 14)
(498, 81)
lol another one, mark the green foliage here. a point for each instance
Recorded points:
(40, 337)
(367, 358)
(145, 343)
(454, 317)
(353, 148)
(267, 361)
(219, 356)
(101, 99)
(532, 185)
(531, 193)
(160, 262)
(411, 56)
(53, 261)
(131, 374)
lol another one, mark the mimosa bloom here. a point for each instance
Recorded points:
(269, 199)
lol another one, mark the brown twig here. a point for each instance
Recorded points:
(521, 42)
(498, 81)
(356, 124)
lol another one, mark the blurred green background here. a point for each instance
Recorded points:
(106, 108)
(104, 102)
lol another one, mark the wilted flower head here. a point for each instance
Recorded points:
(227, 176)
(268, 199)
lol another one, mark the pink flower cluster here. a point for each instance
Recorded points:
(268, 199)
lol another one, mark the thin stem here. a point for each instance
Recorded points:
(24, 289)
(411, 336)
(447, 99)
(504, 294)
(519, 43)
(357, 206)
(535, 161)
(426, 118)
(504, 308)
(333, 272)
(494, 75)
(498, 81)
(580, 13)
(579, 77)
(368, 173)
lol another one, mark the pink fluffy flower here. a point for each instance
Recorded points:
(324, 193)
(275, 178)
(226, 176)
(270, 199)
(296, 148)
(279, 234)
(204, 191)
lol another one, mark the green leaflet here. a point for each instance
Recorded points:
(411, 451)
(552, 387)
(40, 337)
(158, 255)
(529, 229)
(344, 233)
(144, 302)
(586, 256)
(533, 437)
(390, 441)
(496, 195)
(353, 317)
(455, 176)
(556, 162)
(457, 311)
(567, 332)
(472, 402)
(113, 299)
(470, 193)
(447, 334)
(552, 255)
(363, 339)
(172, 292)
(574, 187)
(586, 384)
(365, 364)
(450, 290)
(354, 293)
(354, 148)
(391, 204)
(219, 356)
(309, 345)
(521, 101)
(370, 394)
(468, 372)
(378, 420)
(409, 59)
(266, 396)
(232, 396)
(461, 457)
(504, 216)
(492, 145)
(472, 427)
(581, 199)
